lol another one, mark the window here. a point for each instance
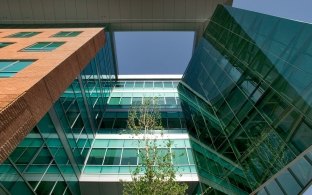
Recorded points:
(9, 68)
(23, 34)
(43, 46)
(67, 34)
(4, 44)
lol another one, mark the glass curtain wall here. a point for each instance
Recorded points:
(250, 100)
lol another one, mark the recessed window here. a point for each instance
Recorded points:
(67, 34)
(4, 44)
(9, 68)
(23, 34)
(43, 46)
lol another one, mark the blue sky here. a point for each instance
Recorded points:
(153, 52)
(170, 52)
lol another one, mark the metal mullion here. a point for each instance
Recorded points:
(122, 150)
(85, 102)
(53, 186)
(44, 173)
(72, 125)
(104, 156)
(280, 186)
(295, 177)
(58, 148)
(64, 193)
(72, 102)
(34, 157)
(21, 153)
(21, 175)
(254, 105)
(78, 137)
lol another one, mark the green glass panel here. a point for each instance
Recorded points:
(24, 34)
(53, 46)
(19, 65)
(114, 101)
(129, 84)
(125, 101)
(112, 157)
(148, 85)
(27, 156)
(139, 85)
(180, 156)
(44, 46)
(44, 157)
(5, 63)
(59, 188)
(129, 157)
(4, 44)
(168, 85)
(100, 143)
(190, 156)
(136, 100)
(96, 156)
(116, 143)
(45, 187)
(110, 170)
(158, 85)
(67, 34)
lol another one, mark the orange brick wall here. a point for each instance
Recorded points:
(29, 94)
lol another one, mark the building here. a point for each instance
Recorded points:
(248, 108)
(239, 116)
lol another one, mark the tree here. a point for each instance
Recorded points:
(155, 173)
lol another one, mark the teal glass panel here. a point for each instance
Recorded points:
(5, 63)
(129, 157)
(136, 100)
(24, 34)
(115, 143)
(110, 169)
(59, 188)
(168, 85)
(93, 169)
(129, 84)
(148, 85)
(180, 156)
(67, 34)
(190, 156)
(44, 157)
(131, 143)
(4, 44)
(112, 156)
(27, 155)
(114, 101)
(96, 156)
(16, 67)
(138, 85)
(300, 168)
(100, 143)
(53, 46)
(125, 101)
(158, 85)
(9, 68)
(126, 169)
(288, 183)
(43, 46)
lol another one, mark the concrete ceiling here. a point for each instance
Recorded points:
(122, 15)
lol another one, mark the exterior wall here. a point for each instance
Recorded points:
(50, 158)
(29, 94)
(250, 101)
